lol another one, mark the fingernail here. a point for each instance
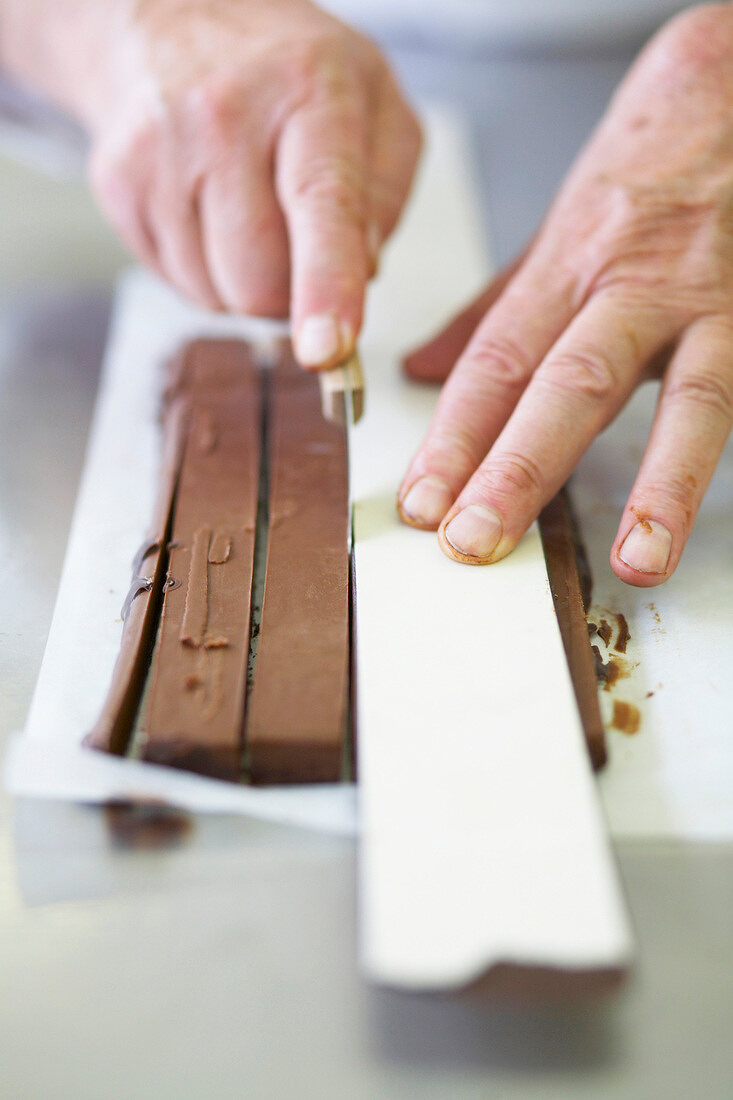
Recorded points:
(427, 501)
(321, 338)
(647, 547)
(475, 531)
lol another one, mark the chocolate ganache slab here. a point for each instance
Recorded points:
(194, 714)
(297, 712)
(251, 468)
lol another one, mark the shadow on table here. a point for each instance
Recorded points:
(441, 1031)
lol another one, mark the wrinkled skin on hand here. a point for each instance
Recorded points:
(630, 277)
(254, 154)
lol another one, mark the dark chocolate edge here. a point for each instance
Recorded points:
(113, 732)
(561, 540)
(292, 764)
(216, 762)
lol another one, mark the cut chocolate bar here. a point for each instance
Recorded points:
(194, 713)
(297, 712)
(189, 635)
(141, 608)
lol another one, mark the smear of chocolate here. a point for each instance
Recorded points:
(196, 610)
(138, 585)
(626, 717)
(220, 549)
(146, 824)
(148, 547)
(642, 520)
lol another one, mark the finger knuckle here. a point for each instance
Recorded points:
(502, 361)
(305, 57)
(586, 373)
(448, 449)
(333, 183)
(114, 168)
(337, 278)
(510, 475)
(258, 232)
(675, 494)
(322, 63)
(704, 389)
(216, 107)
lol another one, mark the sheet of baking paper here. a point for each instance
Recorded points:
(481, 835)
(116, 497)
(112, 514)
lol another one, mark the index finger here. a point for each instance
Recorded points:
(322, 182)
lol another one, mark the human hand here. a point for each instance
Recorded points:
(630, 277)
(255, 155)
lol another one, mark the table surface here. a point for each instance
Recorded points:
(224, 963)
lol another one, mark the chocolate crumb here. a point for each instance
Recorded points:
(608, 672)
(599, 663)
(624, 635)
(605, 631)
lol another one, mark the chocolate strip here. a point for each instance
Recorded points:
(559, 540)
(198, 675)
(297, 712)
(141, 609)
